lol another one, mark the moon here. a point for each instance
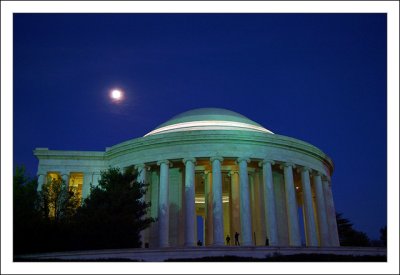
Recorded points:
(116, 95)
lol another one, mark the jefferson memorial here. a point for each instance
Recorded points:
(211, 173)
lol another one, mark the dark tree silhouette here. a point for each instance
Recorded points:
(383, 235)
(114, 214)
(26, 220)
(53, 220)
(348, 236)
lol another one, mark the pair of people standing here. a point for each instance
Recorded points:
(228, 239)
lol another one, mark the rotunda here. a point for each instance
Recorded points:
(213, 172)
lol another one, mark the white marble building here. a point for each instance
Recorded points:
(220, 168)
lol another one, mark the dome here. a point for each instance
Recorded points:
(208, 119)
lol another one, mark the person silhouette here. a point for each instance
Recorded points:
(228, 240)
(199, 243)
(237, 239)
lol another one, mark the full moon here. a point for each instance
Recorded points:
(116, 94)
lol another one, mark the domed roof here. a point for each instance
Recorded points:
(208, 119)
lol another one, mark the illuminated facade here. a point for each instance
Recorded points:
(221, 169)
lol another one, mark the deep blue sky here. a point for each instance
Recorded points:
(320, 78)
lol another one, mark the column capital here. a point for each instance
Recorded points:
(206, 172)
(221, 159)
(288, 164)
(64, 173)
(327, 180)
(316, 173)
(304, 169)
(167, 162)
(240, 159)
(140, 166)
(265, 161)
(232, 172)
(189, 159)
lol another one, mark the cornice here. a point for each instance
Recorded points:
(70, 155)
(218, 136)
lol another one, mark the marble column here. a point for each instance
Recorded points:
(141, 178)
(269, 199)
(235, 204)
(65, 178)
(96, 178)
(218, 222)
(41, 179)
(154, 238)
(87, 180)
(254, 218)
(190, 209)
(331, 213)
(291, 206)
(245, 211)
(311, 232)
(209, 208)
(324, 239)
(163, 207)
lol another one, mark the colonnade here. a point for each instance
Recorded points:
(319, 214)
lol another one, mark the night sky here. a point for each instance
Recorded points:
(320, 78)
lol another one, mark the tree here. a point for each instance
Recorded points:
(26, 220)
(114, 213)
(53, 220)
(55, 206)
(57, 202)
(25, 195)
(348, 236)
(383, 235)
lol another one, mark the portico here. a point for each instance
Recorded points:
(236, 213)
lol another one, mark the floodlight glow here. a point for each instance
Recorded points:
(208, 125)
